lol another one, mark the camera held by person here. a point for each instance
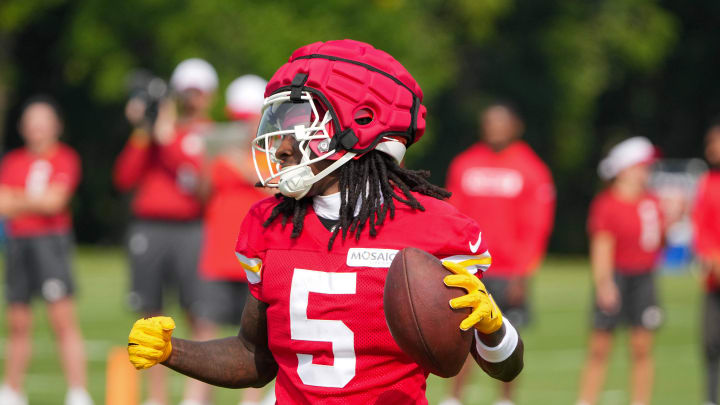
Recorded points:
(146, 93)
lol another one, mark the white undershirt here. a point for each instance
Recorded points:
(327, 206)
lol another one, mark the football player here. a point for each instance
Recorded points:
(336, 122)
(626, 228)
(707, 243)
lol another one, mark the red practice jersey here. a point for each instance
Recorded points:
(636, 226)
(706, 218)
(164, 177)
(232, 196)
(512, 196)
(31, 174)
(325, 319)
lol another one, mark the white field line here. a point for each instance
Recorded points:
(96, 350)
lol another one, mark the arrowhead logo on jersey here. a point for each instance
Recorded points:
(362, 257)
(474, 246)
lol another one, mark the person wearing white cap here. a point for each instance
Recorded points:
(194, 73)
(244, 97)
(161, 164)
(625, 228)
(230, 192)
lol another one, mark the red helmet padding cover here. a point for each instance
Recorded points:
(349, 86)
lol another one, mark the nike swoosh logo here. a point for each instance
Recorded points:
(474, 246)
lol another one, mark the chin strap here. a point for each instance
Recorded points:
(297, 181)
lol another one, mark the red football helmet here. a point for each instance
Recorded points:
(340, 100)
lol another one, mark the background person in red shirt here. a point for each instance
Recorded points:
(231, 191)
(503, 185)
(161, 164)
(706, 218)
(37, 182)
(626, 228)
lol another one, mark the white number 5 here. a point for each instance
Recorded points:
(322, 330)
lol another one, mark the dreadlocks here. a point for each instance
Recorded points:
(367, 193)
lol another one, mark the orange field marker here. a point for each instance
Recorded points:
(122, 380)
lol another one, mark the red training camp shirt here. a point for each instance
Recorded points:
(636, 226)
(165, 177)
(32, 174)
(706, 219)
(511, 195)
(325, 320)
(232, 197)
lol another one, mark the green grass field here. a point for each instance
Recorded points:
(554, 345)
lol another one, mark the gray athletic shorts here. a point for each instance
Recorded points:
(711, 325)
(223, 301)
(164, 254)
(638, 304)
(38, 265)
(518, 314)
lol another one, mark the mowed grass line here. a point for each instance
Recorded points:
(555, 344)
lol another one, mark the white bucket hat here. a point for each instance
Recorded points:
(627, 153)
(244, 97)
(194, 73)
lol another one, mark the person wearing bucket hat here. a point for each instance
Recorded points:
(625, 227)
(707, 243)
(161, 165)
(337, 120)
(230, 193)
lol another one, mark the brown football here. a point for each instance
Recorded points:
(419, 316)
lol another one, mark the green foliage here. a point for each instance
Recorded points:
(557, 59)
(584, 43)
(478, 17)
(15, 14)
(238, 37)
(587, 45)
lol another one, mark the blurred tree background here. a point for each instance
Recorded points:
(583, 74)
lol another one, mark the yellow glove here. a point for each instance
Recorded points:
(486, 316)
(149, 341)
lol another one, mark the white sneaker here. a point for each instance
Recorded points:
(450, 401)
(78, 396)
(504, 402)
(9, 396)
